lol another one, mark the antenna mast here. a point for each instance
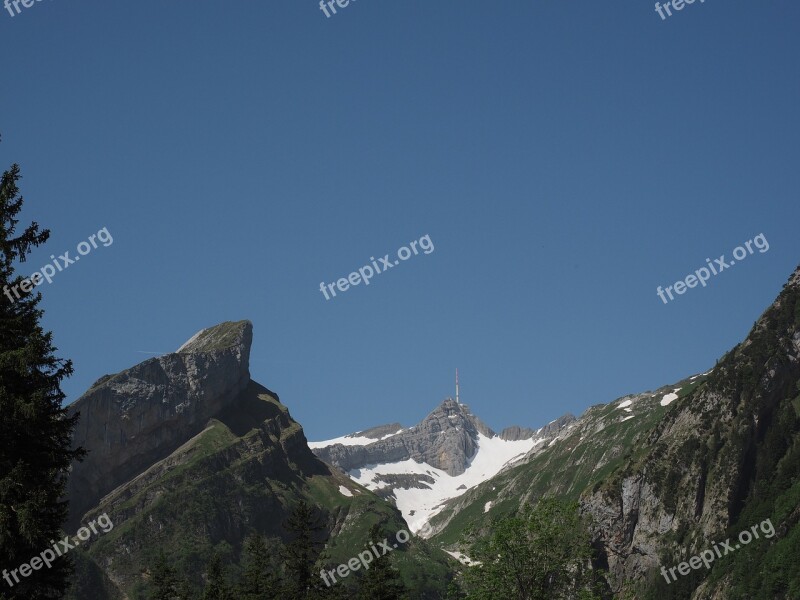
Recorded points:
(457, 400)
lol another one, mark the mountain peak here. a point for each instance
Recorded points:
(142, 414)
(219, 337)
(443, 456)
(453, 415)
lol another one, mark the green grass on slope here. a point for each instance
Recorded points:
(219, 337)
(214, 493)
(566, 469)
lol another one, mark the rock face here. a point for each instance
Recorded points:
(421, 468)
(139, 416)
(446, 439)
(380, 431)
(515, 433)
(186, 452)
(663, 474)
(711, 456)
(549, 431)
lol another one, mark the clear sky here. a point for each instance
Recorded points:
(565, 158)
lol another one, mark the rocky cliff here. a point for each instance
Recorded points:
(189, 456)
(420, 468)
(665, 474)
(134, 418)
(721, 458)
(445, 439)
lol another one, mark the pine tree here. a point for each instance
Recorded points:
(35, 432)
(217, 587)
(381, 581)
(163, 580)
(301, 554)
(185, 591)
(260, 580)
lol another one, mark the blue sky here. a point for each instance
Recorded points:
(564, 158)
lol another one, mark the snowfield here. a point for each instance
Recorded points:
(419, 505)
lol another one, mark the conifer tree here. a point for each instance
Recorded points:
(301, 554)
(260, 580)
(35, 432)
(164, 583)
(217, 587)
(380, 581)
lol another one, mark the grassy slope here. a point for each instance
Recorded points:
(768, 466)
(567, 467)
(215, 489)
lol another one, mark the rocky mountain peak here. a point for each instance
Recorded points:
(447, 439)
(235, 335)
(138, 416)
(450, 415)
(449, 452)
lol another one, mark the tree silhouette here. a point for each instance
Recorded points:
(380, 581)
(36, 449)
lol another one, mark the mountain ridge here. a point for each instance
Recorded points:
(420, 467)
(189, 455)
(141, 414)
(661, 475)
(658, 473)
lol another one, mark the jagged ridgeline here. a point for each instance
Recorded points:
(664, 474)
(188, 455)
(420, 468)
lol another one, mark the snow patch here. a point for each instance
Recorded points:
(345, 492)
(626, 403)
(463, 558)
(419, 505)
(350, 440)
(487, 506)
(668, 398)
